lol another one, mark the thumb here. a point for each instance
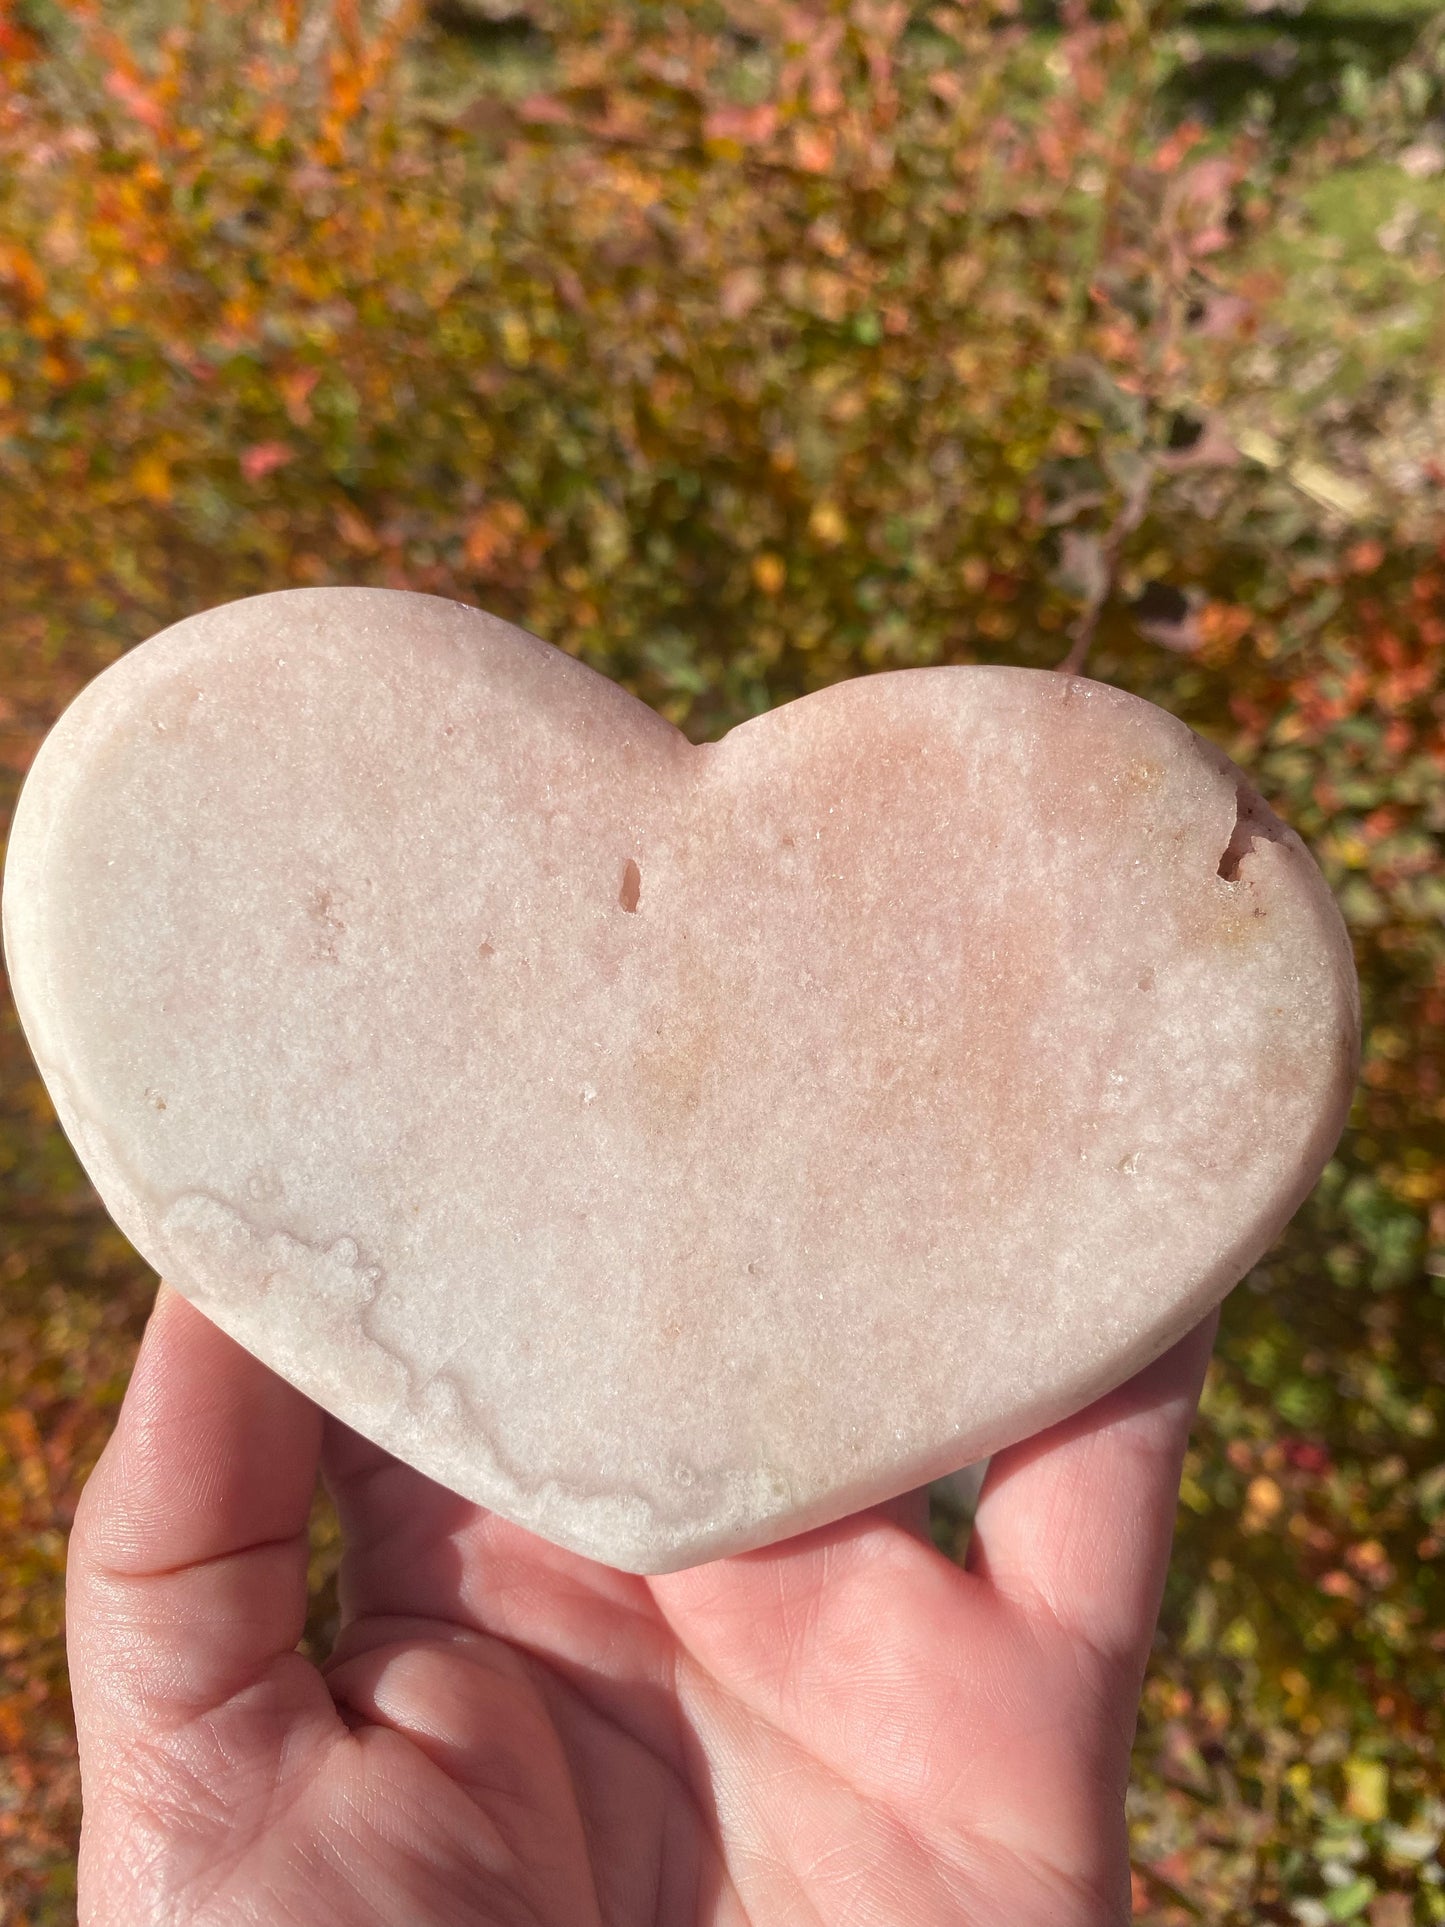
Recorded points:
(186, 1576)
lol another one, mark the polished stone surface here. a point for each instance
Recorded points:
(670, 1147)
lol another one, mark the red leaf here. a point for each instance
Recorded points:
(135, 100)
(540, 110)
(259, 461)
(748, 126)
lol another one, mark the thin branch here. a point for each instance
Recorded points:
(1131, 513)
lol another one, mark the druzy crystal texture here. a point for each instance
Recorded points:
(671, 1147)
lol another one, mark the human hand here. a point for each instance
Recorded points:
(844, 1728)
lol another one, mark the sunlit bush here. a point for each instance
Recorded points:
(752, 347)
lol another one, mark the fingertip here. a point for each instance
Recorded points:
(1161, 1398)
(1074, 1526)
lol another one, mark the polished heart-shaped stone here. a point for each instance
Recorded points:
(671, 1147)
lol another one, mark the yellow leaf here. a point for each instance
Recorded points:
(1418, 1187)
(516, 341)
(1257, 446)
(1350, 851)
(826, 523)
(1331, 489)
(1367, 1789)
(151, 478)
(1239, 1640)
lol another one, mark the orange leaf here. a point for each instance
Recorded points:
(813, 148)
(493, 532)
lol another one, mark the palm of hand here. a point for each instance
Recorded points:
(844, 1728)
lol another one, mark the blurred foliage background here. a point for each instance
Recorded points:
(738, 347)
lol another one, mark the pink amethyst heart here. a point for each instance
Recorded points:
(669, 1147)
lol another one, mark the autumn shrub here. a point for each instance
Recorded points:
(752, 347)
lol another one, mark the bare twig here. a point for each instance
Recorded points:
(1131, 513)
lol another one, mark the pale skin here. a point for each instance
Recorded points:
(844, 1730)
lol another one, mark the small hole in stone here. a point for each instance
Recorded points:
(1146, 979)
(630, 894)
